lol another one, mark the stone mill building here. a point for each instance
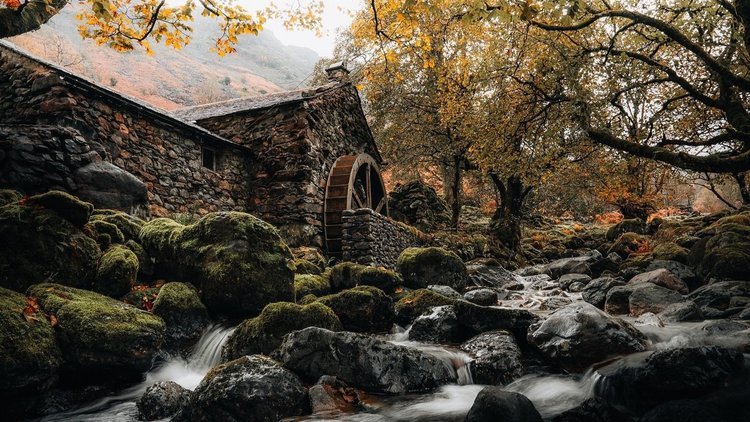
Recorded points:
(296, 159)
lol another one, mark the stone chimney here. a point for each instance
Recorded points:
(337, 72)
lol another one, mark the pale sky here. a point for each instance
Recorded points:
(336, 16)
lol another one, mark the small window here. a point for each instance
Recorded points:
(209, 158)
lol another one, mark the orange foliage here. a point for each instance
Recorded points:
(11, 4)
(612, 217)
(664, 212)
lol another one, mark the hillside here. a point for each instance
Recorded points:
(172, 78)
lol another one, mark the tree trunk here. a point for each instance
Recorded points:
(506, 224)
(452, 179)
(744, 190)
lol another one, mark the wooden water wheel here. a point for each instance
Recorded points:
(354, 182)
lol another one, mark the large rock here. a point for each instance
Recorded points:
(238, 262)
(42, 239)
(628, 243)
(670, 251)
(362, 361)
(183, 313)
(346, 275)
(719, 295)
(640, 382)
(128, 225)
(494, 404)
(29, 355)
(416, 303)
(117, 272)
(634, 225)
(592, 410)
(108, 186)
(418, 205)
(497, 358)
(99, 335)
(661, 277)
(251, 388)
(682, 271)
(421, 267)
(487, 318)
(310, 284)
(440, 326)
(264, 333)
(161, 400)
(490, 274)
(596, 290)
(580, 335)
(482, 297)
(647, 297)
(362, 309)
(727, 254)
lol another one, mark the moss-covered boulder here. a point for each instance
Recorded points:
(634, 225)
(303, 266)
(40, 243)
(421, 267)
(629, 243)
(346, 275)
(130, 226)
(142, 297)
(29, 355)
(99, 335)
(727, 254)
(264, 333)
(117, 271)
(9, 196)
(670, 251)
(417, 302)
(363, 309)
(104, 233)
(183, 313)
(145, 263)
(309, 284)
(239, 262)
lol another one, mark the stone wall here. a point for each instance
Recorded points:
(160, 151)
(370, 238)
(296, 145)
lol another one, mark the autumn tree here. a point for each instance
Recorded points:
(125, 24)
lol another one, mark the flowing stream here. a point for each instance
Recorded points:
(186, 372)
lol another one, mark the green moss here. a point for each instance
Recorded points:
(117, 271)
(310, 254)
(421, 267)
(362, 309)
(97, 332)
(105, 233)
(65, 205)
(417, 302)
(307, 299)
(38, 244)
(128, 225)
(9, 196)
(670, 251)
(628, 243)
(382, 278)
(160, 237)
(145, 266)
(346, 275)
(727, 254)
(142, 297)
(183, 312)
(343, 275)
(307, 284)
(304, 266)
(265, 332)
(29, 355)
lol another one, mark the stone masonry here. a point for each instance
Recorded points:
(370, 238)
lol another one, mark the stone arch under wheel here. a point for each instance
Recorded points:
(354, 182)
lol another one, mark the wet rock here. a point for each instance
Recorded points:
(183, 313)
(100, 336)
(251, 388)
(681, 312)
(684, 411)
(362, 309)
(718, 295)
(567, 280)
(554, 302)
(421, 267)
(596, 290)
(592, 410)
(670, 251)
(635, 225)
(682, 271)
(416, 303)
(362, 361)
(642, 381)
(264, 333)
(494, 404)
(43, 240)
(648, 297)
(649, 319)
(661, 277)
(579, 335)
(117, 271)
(29, 354)
(628, 243)
(485, 275)
(618, 300)
(482, 297)
(488, 318)
(445, 291)
(439, 326)
(727, 254)
(575, 265)
(497, 358)
(330, 394)
(161, 400)
(238, 262)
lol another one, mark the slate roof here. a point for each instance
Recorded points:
(238, 105)
(125, 100)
